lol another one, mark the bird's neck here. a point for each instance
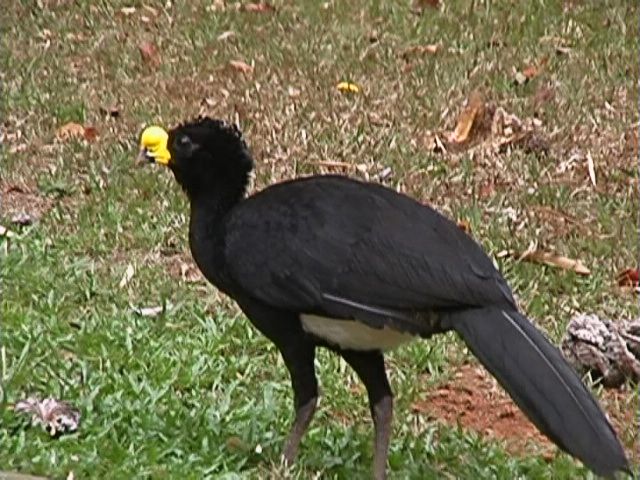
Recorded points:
(211, 205)
(207, 227)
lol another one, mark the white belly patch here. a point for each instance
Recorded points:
(353, 335)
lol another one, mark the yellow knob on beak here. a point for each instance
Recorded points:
(153, 145)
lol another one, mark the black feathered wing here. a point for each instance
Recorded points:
(384, 260)
(333, 246)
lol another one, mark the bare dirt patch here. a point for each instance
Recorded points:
(474, 400)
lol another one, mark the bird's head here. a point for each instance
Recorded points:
(203, 154)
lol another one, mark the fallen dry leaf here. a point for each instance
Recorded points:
(90, 134)
(628, 278)
(258, 7)
(70, 130)
(467, 117)
(5, 232)
(126, 11)
(226, 35)
(520, 78)
(189, 272)
(57, 417)
(591, 169)
(149, 53)
(151, 311)
(128, 275)
(547, 258)
(74, 130)
(465, 226)
(241, 66)
(433, 48)
(419, 49)
(530, 72)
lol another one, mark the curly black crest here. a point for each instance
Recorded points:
(220, 128)
(207, 152)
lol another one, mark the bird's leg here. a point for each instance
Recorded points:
(382, 413)
(299, 355)
(304, 414)
(370, 368)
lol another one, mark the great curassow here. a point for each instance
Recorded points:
(359, 268)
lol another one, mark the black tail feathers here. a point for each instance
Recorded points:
(543, 384)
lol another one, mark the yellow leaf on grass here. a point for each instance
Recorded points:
(467, 117)
(547, 258)
(348, 87)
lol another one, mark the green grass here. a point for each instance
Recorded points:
(196, 392)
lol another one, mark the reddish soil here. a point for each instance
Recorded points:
(474, 400)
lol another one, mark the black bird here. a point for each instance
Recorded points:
(359, 268)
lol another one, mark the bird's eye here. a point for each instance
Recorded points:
(184, 141)
(184, 145)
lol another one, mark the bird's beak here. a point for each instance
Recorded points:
(144, 158)
(153, 146)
